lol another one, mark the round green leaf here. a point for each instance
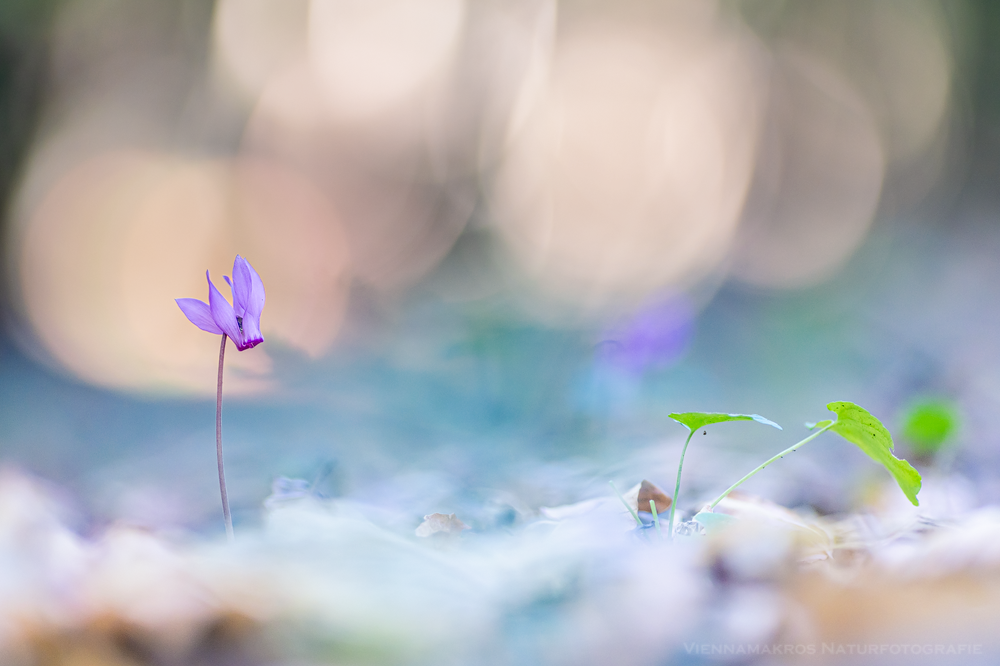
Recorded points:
(695, 420)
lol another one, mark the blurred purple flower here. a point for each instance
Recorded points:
(655, 337)
(241, 320)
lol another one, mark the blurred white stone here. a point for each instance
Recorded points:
(441, 523)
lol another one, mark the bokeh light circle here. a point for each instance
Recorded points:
(628, 173)
(117, 237)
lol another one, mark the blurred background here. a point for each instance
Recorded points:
(501, 240)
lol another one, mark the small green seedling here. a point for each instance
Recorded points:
(929, 424)
(694, 421)
(859, 427)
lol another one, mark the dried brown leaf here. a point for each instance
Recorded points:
(649, 491)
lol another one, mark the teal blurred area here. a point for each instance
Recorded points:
(501, 242)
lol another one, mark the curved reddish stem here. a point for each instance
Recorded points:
(218, 446)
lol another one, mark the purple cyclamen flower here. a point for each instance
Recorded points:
(241, 320)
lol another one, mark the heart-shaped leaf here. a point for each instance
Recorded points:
(695, 420)
(859, 427)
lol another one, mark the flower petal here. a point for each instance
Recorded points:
(222, 312)
(242, 285)
(232, 290)
(255, 302)
(199, 314)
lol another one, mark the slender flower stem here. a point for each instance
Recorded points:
(218, 446)
(677, 487)
(656, 517)
(768, 462)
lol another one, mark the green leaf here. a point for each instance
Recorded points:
(928, 424)
(859, 427)
(694, 420)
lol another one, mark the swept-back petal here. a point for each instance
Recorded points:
(199, 314)
(248, 291)
(255, 301)
(222, 312)
(242, 286)
(232, 290)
